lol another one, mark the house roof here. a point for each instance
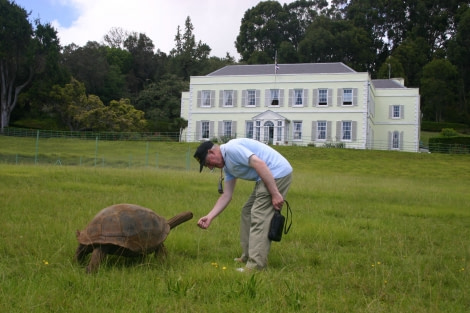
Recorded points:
(300, 68)
(387, 83)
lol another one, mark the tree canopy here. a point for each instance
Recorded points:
(417, 40)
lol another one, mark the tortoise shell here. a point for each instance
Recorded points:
(129, 226)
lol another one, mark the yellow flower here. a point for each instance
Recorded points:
(45, 262)
(224, 268)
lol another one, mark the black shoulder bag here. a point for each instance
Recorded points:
(279, 225)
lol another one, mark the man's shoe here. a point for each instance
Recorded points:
(239, 260)
(245, 270)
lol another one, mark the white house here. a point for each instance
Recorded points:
(321, 104)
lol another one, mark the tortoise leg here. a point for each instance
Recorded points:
(82, 252)
(96, 257)
(161, 250)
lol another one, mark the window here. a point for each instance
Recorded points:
(258, 130)
(227, 129)
(347, 97)
(206, 98)
(274, 96)
(321, 130)
(279, 131)
(299, 97)
(396, 111)
(228, 98)
(251, 98)
(396, 140)
(249, 129)
(346, 130)
(297, 130)
(322, 96)
(205, 129)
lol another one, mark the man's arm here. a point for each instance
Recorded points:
(220, 205)
(267, 177)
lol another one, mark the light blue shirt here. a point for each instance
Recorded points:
(237, 153)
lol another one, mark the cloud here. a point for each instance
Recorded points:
(216, 22)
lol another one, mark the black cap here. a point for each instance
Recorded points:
(201, 153)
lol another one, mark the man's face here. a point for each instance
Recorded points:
(213, 159)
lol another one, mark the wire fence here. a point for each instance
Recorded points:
(127, 150)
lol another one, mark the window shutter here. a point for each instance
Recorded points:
(199, 99)
(211, 129)
(354, 96)
(390, 140)
(244, 98)
(328, 130)
(267, 97)
(291, 98)
(338, 131)
(220, 128)
(314, 131)
(402, 111)
(212, 98)
(235, 99)
(198, 130)
(330, 97)
(258, 96)
(314, 97)
(221, 98)
(390, 111)
(281, 97)
(354, 131)
(340, 97)
(401, 141)
(234, 129)
(305, 99)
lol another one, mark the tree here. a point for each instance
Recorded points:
(188, 57)
(143, 64)
(330, 40)
(161, 102)
(17, 57)
(438, 89)
(81, 112)
(262, 29)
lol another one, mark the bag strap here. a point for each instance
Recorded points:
(288, 218)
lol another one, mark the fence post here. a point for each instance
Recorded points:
(96, 150)
(37, 148)
(147, 155)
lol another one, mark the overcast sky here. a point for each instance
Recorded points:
(215, 22)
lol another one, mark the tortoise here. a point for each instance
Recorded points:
(125, 230)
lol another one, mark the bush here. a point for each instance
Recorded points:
(456, 144)
(437, 127)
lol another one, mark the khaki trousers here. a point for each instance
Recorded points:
(255, 222)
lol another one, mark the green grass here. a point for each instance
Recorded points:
(373, 231)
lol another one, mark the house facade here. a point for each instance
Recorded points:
(320, 104)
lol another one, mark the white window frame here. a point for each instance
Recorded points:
(205, 129)
(275, 96)
(322, 95)
(297, 130)
(298, 100)
(348, 96)
(228, 98)
(322, 127)
(396, 140)
(206, 98)
(280, 128)
(227, 131)
(396, 112)
(251, 98)
(249, 129)
(346, 130)
(257, 134)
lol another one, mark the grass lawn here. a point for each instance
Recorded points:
(373, 231)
